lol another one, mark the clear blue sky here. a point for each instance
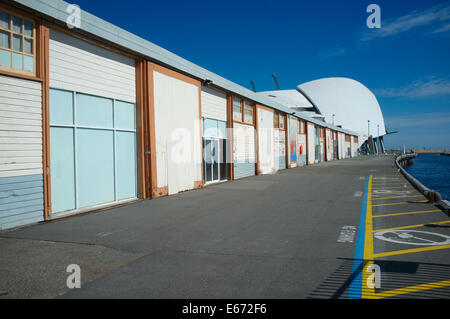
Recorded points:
(405, 63)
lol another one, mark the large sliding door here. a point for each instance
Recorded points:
(92, 124)
(92, 150)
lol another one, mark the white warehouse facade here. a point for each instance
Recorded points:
(93, 117)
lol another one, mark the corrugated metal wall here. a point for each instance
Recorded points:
(244, 150)
(177, 123)
(21, 186)
(265, 140)
(280, 149)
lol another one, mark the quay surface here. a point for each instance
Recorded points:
(309, 232)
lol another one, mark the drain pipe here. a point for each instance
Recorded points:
(432, 196)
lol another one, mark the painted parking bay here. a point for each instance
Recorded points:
(408, 238)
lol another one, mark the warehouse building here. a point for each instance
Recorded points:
(94, 116)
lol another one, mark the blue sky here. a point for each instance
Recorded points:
(405, 62)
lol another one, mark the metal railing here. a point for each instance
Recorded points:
(432, 196)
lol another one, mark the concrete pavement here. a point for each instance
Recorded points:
(271, 236)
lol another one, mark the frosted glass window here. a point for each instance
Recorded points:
(222, 129)
(63, 169)
(237, 109)
(28, 45)
(61, 107)
(4, 20)
(28, 63)
(5, 39)
(28, 28)
(17, 24)
(17, 61)
(248, 112)
(95, 167)
(17, 43)
(210, 128)
(5, 58)
(94, 111)
(125, 115)
(17, 37)
(126, 165)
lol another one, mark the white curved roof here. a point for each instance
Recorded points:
(352, 103)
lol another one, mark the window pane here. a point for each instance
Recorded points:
(281, 121)
(17, 42)
(28, 45)
(17, 61)
(222, 129)
(95, 167)
(248, 113)
(125, 115)
(28, 63)
(28, 28)
(5, 39)
(63, 169)
(237, 109)
(126, 165)
(17, 24)
(5, 58)
(94, 111)
(4, 20)
(61, 107)
(210, 128)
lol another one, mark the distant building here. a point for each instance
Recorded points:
(341, 102)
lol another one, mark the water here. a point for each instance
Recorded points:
(433, 171)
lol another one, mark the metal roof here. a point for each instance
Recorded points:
(55, 11)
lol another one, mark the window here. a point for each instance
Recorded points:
(17, 43)
(237, 109)
(301, 128)
(278, 120)
(281, 121)
(248, 112)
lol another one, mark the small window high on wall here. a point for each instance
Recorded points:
(17, 43)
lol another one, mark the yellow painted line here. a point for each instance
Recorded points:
(410, 289)
(392, 197)
(392, 187)
(410, 251)
(368, 244)
(413, 226)
(401, 203)
(408, 213)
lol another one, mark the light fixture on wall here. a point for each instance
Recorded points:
(207, 82)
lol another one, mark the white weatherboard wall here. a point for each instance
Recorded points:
(21, 174)
(265, 140)
(76, 65)
(214, 104)
(311, 144)
(177, 130)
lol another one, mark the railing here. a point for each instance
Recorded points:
(433, 196)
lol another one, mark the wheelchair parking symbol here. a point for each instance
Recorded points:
(413, 237)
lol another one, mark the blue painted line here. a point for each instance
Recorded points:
(355, 288)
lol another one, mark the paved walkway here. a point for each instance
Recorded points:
(294, 234)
